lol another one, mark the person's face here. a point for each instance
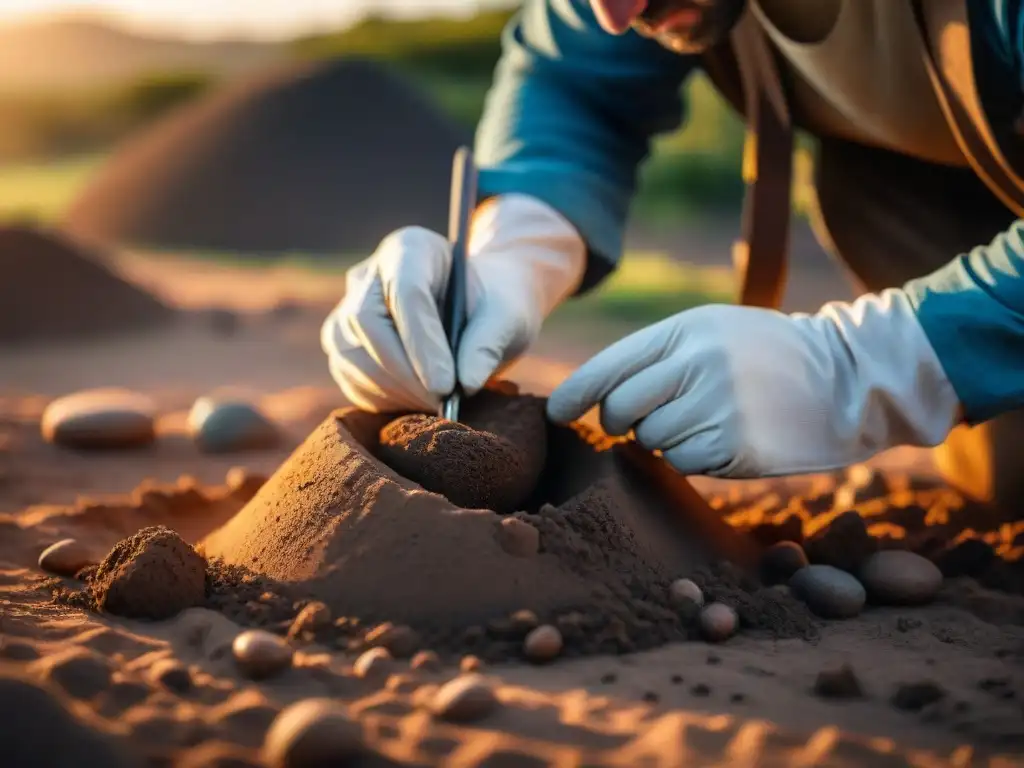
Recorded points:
(683, 26)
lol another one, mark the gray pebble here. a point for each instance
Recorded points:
(718, 622)
(828, 591)
(225, 425)
(898, 577)
(780, 561)
(684, 591)
(100, 419)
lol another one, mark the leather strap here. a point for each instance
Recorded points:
(951, 71)
(761, 256)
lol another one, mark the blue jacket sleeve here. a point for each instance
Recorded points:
(972, 310)
(571, 115)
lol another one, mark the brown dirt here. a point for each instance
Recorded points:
(52, 290)
(941, 683)
(151, 575)
(491, 459)
(315, 140)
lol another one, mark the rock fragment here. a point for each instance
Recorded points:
(841, 683)
(844, 544)
(310, 734)
(400, 641)
(780, 561)
(683, 591)
(66, 558)
(221, 425)
(260, 654)
(100, 419)
(518, 538)
(465, 699)
(375, 663)
(829, 592)
(425, 661)
(898, 577)
(718, 622)
(543, 644)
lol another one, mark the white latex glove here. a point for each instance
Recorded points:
(385, 341)
(742, 392)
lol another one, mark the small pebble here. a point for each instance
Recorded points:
(464, 699)
(518, 538)
(471, 664)
(718, 622)
(374, 663)
(100, 419)
(829, 592)
(425, 661)
(841, 683)
(225, 425)
(686, 591)
(780, 561)
(543, 644)
(314, 732)
(312, 618)
(401, 641)
(261, 654)
(898, 577)
(844, 544)
(66, 558)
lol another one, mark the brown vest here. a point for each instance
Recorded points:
(895, 74)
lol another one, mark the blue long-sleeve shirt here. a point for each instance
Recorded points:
(572, 114)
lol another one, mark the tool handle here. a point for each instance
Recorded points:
(461, 207)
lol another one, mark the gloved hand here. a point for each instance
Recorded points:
(740, 392)
(385, 341)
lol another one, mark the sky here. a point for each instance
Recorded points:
(264, 19)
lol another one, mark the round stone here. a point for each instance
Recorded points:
(828, 591)
(66, 558)
(898, 577)
(100, 419)
(686, 591)
(374, 663)
(543, 644)
(464, 699)
(310, 733)
(718, 622)
(780, 561)
(425, 661)
(225, 425)
(261, 654)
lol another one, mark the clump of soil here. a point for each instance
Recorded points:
(52, 290)
(492, 459)
(337, 525)
(154, 574)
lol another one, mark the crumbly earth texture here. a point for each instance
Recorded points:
(491, 460)
(940, 684)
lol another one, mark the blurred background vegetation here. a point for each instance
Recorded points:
(52, 137)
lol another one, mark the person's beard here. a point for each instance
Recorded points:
(714, 23)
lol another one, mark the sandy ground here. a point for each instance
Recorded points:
(747, 702)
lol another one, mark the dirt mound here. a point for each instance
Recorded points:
(151, 575)
(51, 289)
(492, 459)
(322, 157)
(337, 525)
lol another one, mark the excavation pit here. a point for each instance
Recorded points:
(591, 546)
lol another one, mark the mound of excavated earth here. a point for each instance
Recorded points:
(343, 528)
(53, 290)
(322, 157)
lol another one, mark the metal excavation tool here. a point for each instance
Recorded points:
(463, 202)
